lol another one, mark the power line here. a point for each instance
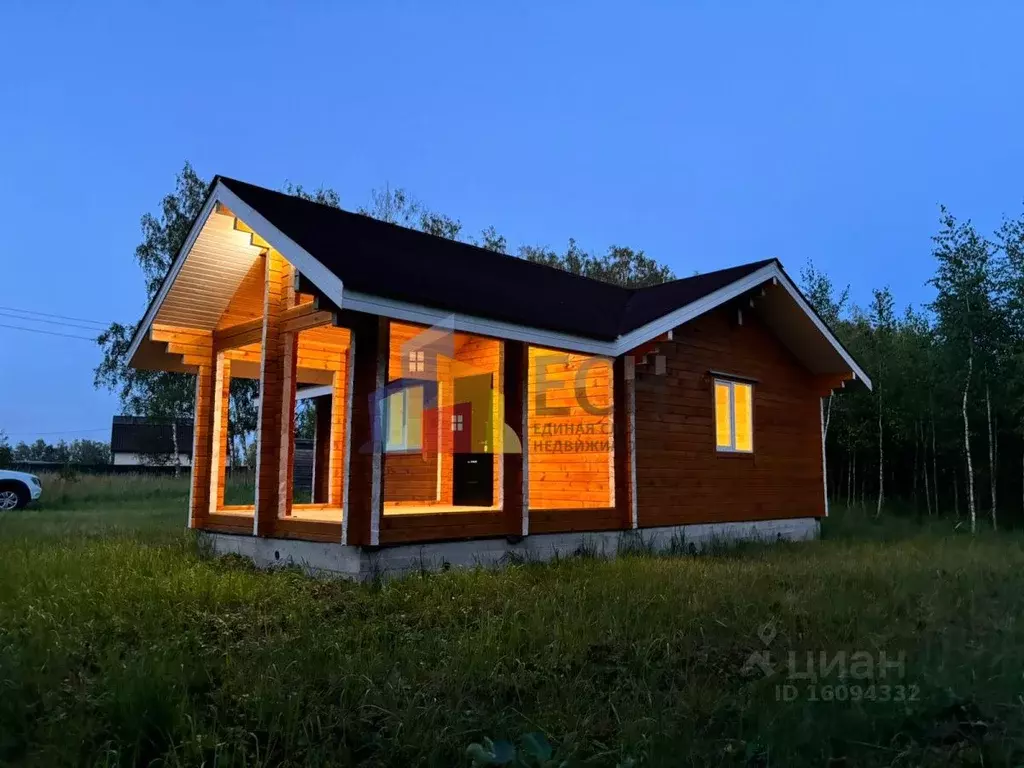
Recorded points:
(48, 333)
(49, 314)
(48, 322)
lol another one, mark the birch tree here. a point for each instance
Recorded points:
(964, 285)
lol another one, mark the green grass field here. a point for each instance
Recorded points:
(120, 643)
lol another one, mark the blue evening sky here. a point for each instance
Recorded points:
(706, 134)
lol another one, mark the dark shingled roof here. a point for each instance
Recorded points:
(382, 259)
(153, 437)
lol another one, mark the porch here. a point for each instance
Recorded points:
(423, 433)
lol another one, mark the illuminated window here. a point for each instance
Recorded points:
(457, 422)
(403, 420)
(417, 361)
(734, 416)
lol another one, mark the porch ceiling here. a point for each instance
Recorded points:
(212, 272)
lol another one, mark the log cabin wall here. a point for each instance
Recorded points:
(478, 355)
(681, 477)
(424, 478)
(411, 477)
(324, 359)
(570, 448)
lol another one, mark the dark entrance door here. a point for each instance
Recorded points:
(472, 414)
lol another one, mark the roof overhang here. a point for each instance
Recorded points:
(325, 280)
(781, 304)
(778, 301)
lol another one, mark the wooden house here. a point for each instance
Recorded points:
(142, 441)
(470, 405)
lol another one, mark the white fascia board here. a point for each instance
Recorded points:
(317, 391)
(297, 256)
(791, 289)
(666, 323)
(416, 313)
(179, 260)
(678, 317)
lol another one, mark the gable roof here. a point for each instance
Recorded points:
(383, 259)
(146, 436)
(367, 265)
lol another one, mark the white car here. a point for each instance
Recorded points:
(17, 489)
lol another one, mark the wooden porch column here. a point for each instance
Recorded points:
(202, 460)
(221, 394)
(624, 441)
(289, 346)
(338, 448)
(322, 449)
(277, 382)
(514, 472)
(368, 357)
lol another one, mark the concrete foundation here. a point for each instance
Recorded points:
(364, 563)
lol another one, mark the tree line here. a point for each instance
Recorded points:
(943, 430)
(82, 452)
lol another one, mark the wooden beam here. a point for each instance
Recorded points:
(199, 490)
(369, 359)
(623, 443)
(299, 310)
(177, 333)
(289, 346)
(307, 320)
(827, 383)
(219, 433)
(340, 448)
(514, 507)
(254, 238)
(238, 335)
(292, 320)
(272, 380)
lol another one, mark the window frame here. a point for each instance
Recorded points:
(403, 446)
(417, 361)
(731, 449)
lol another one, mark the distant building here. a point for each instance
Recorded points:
(139, 440)
(142, 441)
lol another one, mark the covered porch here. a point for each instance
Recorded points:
(422, 432)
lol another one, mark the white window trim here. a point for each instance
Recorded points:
(731, 384)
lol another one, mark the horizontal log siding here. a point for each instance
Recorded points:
(478, 355)
(414, 478)
(409, 477)
(575, 478)
(681, 478)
